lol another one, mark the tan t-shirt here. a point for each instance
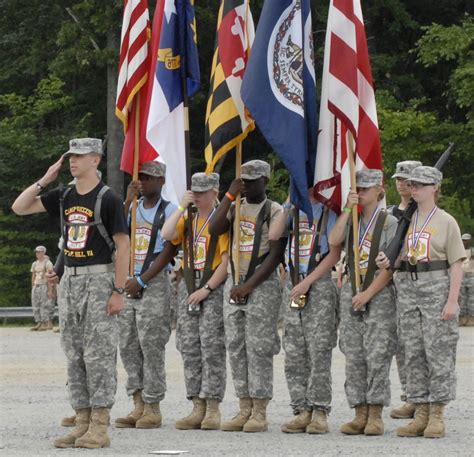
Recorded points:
(440, 239)
(40, 268)
(248, 219)
(388, 232)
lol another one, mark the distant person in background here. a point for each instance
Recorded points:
(42, 298)
(466, 301)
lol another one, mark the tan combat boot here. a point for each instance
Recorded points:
(417, 426)
(298, 424)
(236, 424)
(318, 424)
(357, 425)
(43, 327)
(82, 425)
(435, 427)
(56, 330)
(375, 424)
(151, 417)
(212, 419)
(463, 321)
(470, 321)
(258, 419)
(36, 327)
(131, 418)
(96, 436)
(49, 325)
(69, 421)
(406, 411)
(193, 421)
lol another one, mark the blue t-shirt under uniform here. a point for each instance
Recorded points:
(145, 218)
(307, 236)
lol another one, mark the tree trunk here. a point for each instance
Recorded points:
(114, 126)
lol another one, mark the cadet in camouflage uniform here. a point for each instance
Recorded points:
(88, 321)
(369, 339)
(145, 323)
(401, 175)
(251, 318)
(310, 333)
(428, 304)
(200, 325)
(42, 304)
(466, 302)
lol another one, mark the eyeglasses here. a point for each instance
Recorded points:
(417, 185)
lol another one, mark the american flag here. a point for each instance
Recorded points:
(347, 105)
(134, 56)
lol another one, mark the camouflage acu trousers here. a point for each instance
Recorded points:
(400, 358)
(252, 338)
(309, 337)
(466, 298)
(430, 343)
(43, 306)
(200, 340)
(145, 328)
(369, 343)
(89, 338)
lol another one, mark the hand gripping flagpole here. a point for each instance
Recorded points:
(136, 155)
(355, 219)
(238, 165)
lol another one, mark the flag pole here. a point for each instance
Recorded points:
(296, 245)
(238, 165)
(187, 149)
(136, 155)
(355, 219)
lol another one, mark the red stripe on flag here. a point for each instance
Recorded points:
(343, 63)
(346, 7)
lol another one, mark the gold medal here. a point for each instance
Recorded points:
(412, 260)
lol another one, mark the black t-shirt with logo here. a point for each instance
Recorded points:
(85, 245)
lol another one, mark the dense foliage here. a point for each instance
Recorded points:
(53, 86)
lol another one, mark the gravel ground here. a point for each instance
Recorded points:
(33, 399)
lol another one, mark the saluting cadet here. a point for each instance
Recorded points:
(401, 176)
(251, 307)
(368, 329)
(428, 284)
(145, 323)
(310, 317)
(93, 225)
(41, 292)
(200, 323)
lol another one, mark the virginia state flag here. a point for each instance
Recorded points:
(177, 57)
(279, 89)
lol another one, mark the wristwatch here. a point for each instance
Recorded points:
(119, 290)
(208, 287)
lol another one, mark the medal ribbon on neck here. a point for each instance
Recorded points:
(206, 222)
(415, 239)
(371, 221)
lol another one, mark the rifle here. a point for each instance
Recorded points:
(395, 247)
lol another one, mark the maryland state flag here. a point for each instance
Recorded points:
(227, 120)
